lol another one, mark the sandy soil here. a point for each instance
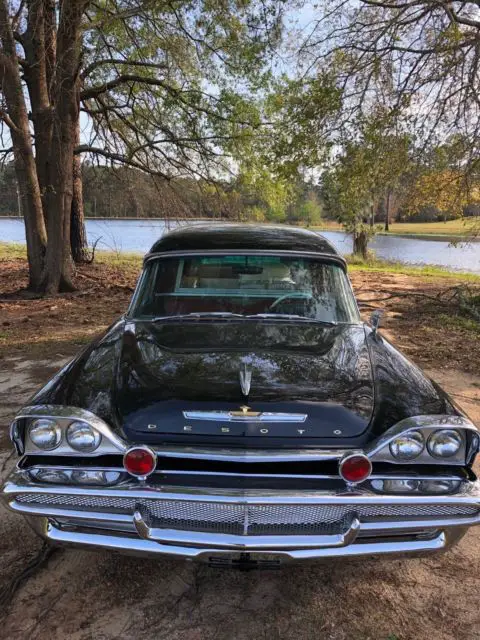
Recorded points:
(85, 595)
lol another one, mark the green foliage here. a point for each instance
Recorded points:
(170, 87)
(365, 172)
(306, 208)
(440, 189)
(310, 212)
(301, 114)
(263, 191)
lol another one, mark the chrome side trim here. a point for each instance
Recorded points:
(235, 416)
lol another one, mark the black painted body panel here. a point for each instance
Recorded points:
(344, 378)
(322, 372)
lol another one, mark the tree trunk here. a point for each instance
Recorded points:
(78, 234)
(34, 42)
(360, 244)
(25, 168)
(59, 266)
(387, 211)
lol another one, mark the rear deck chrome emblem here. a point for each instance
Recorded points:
(245, 412)
(244, 415)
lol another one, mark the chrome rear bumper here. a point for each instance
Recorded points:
(204, 524)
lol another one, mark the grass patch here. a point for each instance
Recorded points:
(373, 264)
(12, 251)
(460, 227)
(126, 262)
(459, 322)
(121, 261)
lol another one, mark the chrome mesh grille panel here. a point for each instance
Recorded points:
(95, 503)
(194, 516)
(262, 519)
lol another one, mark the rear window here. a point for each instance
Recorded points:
(245, 285)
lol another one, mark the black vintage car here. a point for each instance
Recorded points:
(241, 413)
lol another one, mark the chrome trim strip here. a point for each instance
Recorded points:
(323, 257)
(57, 512)
(250, 455)
(20, 482)
(233, 416)
(294, 476)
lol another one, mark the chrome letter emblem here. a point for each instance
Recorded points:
(245, 378)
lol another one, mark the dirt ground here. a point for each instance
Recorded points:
(85, 595)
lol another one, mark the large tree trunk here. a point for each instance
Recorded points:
(40, 31)
(78, 234)
(360, 244)
(58, 272)
(24, 160)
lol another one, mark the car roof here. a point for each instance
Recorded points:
(234, 237)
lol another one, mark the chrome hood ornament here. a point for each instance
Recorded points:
(246, 378)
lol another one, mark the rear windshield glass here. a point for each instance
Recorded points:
(245, 285)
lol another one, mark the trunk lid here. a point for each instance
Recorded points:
(270, 381)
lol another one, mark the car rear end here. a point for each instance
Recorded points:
(242, 415)
(249, 508)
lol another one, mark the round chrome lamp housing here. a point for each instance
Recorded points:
(45, 434)
(444, 443)
(82, 437)
(407, 446)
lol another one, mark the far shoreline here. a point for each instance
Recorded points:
(129, 259)
(423, 232)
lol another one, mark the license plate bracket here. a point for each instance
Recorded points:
(246, 561)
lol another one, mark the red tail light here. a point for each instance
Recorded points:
(355, 468)
(140, 461)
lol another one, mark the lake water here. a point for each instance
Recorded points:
(139, 235)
